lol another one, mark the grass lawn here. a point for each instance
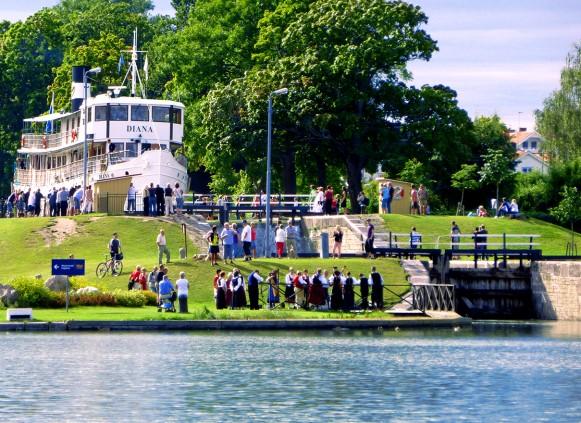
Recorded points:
(26, 252)
(553, 238)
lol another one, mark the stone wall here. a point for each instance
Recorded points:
(556, 288)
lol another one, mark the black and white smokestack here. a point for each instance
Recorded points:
(77, 95)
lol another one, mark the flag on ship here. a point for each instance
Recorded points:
(121, 63)
(146, 68)
(48, 127)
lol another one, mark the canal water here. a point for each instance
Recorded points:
(489, 373)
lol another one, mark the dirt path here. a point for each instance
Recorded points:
(56, 234)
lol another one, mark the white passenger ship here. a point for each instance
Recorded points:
(126, 136)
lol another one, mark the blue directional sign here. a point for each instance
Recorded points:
(68, 267)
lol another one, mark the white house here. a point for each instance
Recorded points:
(528, 161)
(528, 145)
(526, 140)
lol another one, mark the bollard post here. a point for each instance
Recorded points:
(324, 252)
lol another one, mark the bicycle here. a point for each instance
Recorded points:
(109, 266)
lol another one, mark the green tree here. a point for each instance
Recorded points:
(414, 171)
(568, 211)
(343, 63)
(559, 122)
(465, 179)
(491, 133)
(497, 168)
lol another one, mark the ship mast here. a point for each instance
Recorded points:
(133, 69)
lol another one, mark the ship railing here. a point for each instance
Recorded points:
(59, 175)
(45, 141)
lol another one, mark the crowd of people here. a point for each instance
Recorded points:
(157, 200)
(334, 290)
(58, 202)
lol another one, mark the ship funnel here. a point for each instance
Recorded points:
(77, 94)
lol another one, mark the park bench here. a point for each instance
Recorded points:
(18, 314)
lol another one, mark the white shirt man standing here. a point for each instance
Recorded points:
(131, 198)
(162, 247)
(246, 237)
(183, 286)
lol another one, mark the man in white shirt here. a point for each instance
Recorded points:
(246, 237)
(183, 286)
(131, 196)
(162, 247)
(291, 240)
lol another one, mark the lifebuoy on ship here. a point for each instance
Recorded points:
(23, 141)
(44, 144)
(74, 135)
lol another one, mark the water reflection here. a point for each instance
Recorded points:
(500, 372)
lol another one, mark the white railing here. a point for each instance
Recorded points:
(61, 174)
(45, 141)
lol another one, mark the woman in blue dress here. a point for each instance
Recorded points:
(273, 290)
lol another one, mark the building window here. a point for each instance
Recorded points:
(534, 145)
(160, 114)
(89, 114)
(527, 169)
(525, 145)
(100, 113)
(140, 113)
(119, 112)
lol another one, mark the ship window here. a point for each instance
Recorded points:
(176, 116)
(118, 112)
(100, 113)
(140, 113)
(131, 150)
(89, 114)
(160, 114)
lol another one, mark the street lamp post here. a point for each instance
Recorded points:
(267, 248)
(85, 150)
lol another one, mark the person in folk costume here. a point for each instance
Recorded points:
(306, 285)
(316, 292)
(376, 288)
(348, 294)
(221, 291)
(237, 287)
(215, 281)
(299, 290)
(229, 289)
(326, 282)
(364, 288)
(273, 290)
(337, 291)
(253, 280)
(289, 292)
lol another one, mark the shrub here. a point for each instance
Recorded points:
(129, 298)
(150, 298)
(33, 293)
(94, 299)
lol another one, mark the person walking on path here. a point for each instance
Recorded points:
(162, 247)
(183, 287)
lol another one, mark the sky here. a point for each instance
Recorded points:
(501, 56)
